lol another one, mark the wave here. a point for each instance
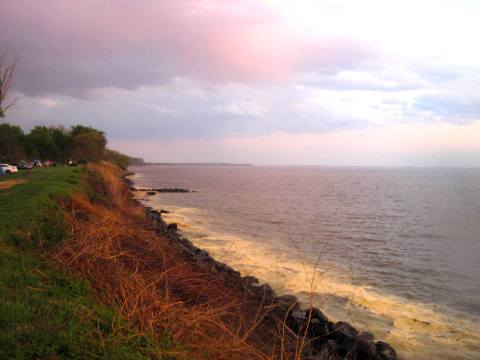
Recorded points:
(417, 330)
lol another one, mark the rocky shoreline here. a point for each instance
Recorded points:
(339, 340)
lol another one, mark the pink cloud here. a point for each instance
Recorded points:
(71, 45)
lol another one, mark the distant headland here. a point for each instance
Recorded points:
(194, 164)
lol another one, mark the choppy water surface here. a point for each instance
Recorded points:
(396, 251)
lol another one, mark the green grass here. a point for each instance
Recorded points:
(44, 312)
(21, 205)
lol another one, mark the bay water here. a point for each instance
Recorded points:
(395, 251)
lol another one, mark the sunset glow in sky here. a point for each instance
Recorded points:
(301, 82)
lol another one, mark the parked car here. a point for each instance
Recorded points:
(23, 165)
(9, 169)
(49, 163)
(37, 163)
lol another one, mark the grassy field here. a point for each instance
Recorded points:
(44, 312)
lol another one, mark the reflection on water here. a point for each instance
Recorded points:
(397, 249)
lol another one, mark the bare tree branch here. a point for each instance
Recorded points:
(6, 81)
(12, 103)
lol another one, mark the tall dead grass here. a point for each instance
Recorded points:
(154, 286)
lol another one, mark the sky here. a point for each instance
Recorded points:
(268, 82)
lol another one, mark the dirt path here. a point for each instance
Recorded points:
(11, 183)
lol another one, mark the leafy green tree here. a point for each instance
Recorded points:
(89, 146)
(118, 158)
(81, 129)
(57, 143)
(63, 141)
(12, 140)
(40, 143)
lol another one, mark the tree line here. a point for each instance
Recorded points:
(57, 143)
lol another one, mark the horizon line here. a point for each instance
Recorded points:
(190, 163)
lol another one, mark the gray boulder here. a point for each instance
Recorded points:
(385, 351)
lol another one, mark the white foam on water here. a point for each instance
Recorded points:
(416, 330)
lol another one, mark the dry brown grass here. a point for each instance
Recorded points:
(158, 288)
